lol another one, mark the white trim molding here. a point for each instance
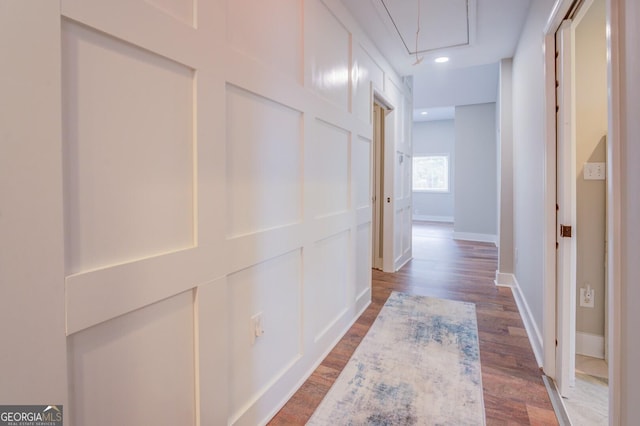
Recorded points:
(481, 238)
(505, 279)
(617, 85)
(427, 218)
(590, 345)
(535, 337)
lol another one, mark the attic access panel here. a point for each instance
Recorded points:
(443, 23)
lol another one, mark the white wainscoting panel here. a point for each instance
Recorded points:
(327, 283)
(406, 230)
(363, 259)
(362, 172)
(182, 10)
(327, 54)
(128, 164)
(136, 369)
(407, 167)
(329, 169)
(398, 182)
(272, 289)
(217, 166)
(269, 31)
(398, 219)
(374, 73)
(264, 163)
(365, 73)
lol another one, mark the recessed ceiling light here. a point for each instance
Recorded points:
(442, 59)
(424, 113)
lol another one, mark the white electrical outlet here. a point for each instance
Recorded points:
(586, 297)
(595, 171)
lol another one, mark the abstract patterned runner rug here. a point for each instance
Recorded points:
(419, 364)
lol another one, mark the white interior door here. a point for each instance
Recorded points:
(566, 212)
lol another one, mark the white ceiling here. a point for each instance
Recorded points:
(474, 34)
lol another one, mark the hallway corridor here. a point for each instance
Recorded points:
(458, 270)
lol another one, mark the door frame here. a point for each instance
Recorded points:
(566, 248)
(384, 200)
(614, 204)
(377, 187)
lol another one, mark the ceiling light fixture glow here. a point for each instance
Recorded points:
(442, 59)
(424, 113)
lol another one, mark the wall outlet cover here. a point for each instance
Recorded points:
(594, 171)
(586, 297)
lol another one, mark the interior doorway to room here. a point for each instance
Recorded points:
(582, 123)
(377, 188)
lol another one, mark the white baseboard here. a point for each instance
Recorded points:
(590, 345)
(469, 236)
(401, 261)
(505, 279)
(428, 218)
(535, 337)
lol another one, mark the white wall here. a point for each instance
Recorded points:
(528, 166)
(445, 86)
(217, 166)
(476, 198)
(627, 295)
(591, 128)
(624, 182)
(504, 117)
(434, 138)
(33, 359)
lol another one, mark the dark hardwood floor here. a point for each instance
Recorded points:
(514, 393)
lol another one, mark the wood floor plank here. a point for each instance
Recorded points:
(514, 393)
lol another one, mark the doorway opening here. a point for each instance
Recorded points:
(377, 198)
(382, 170)
(581, 288)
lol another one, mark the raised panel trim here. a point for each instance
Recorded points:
(364, 215)
(191, 20)
(331, 225)
(308, 68)
(255, 162)
(163, 34)
(243, 252)
(248, 74)
(97, 296)
(211, 333)
(332, 322)
(378, 68)
(120, 154)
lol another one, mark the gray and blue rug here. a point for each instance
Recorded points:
(419, 364)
